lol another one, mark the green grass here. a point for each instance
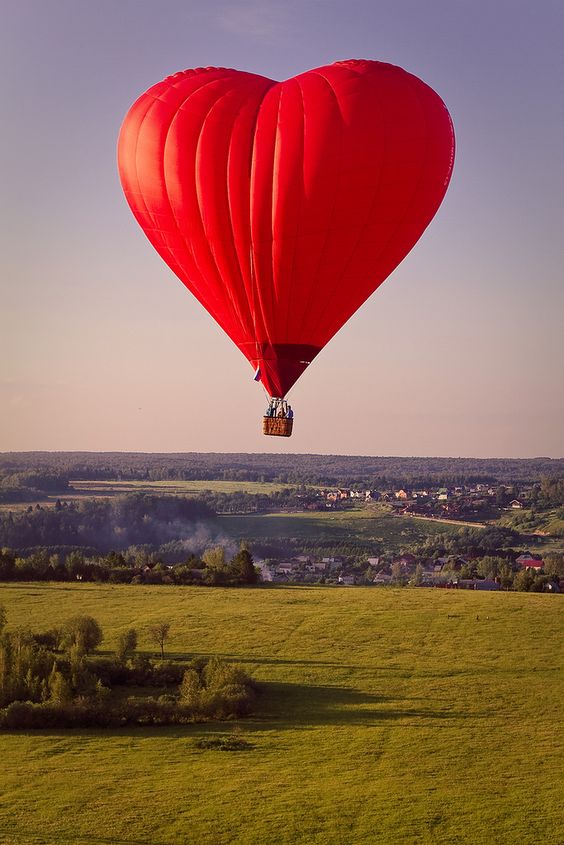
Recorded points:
(89, 489)
(176, 487)
(366, 525)
(545, 522)
(389, 716)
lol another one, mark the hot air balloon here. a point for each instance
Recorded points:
(282, 206)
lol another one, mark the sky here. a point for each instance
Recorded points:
(459, 353)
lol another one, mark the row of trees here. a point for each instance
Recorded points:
(55, 679)
(213, 568)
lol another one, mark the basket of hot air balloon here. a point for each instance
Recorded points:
(283, 206)
(277, 426)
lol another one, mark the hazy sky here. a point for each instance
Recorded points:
(460, 351)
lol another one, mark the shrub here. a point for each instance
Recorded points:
(126, 645)
(225, 743)
(82, 631)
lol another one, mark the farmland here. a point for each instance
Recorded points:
(393, 716)
(94, 489)
(364, 526)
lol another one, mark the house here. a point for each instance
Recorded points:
(332, 563)
(478, 584)
(371, 495)
(381, 578)
(287, 567)
(403, 494)
(406, 560)
(515, 504)
(373, 561)
(527, 561)
(443, 494)
(346, 580)
(316, 566)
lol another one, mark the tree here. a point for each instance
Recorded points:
(159, 633)
(418, 577)
(242, 566)
(83, 632)
(7, 565)
(397, 572)
(126, 645)
(490, 566)
(554, 564)
(191, 687)
(59, 687)
(214, 558)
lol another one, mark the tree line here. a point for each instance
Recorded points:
(213, 568)
(333, 470)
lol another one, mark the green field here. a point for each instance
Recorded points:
(365, 525)
(388, 716)
(184, 488)
(93, 489)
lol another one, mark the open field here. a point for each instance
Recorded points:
(388, 716)
(363, 525)
(89, 489)
(185, 488)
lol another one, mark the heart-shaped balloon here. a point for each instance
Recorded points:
(283, 205)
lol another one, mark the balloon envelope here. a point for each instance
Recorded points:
(283, 205)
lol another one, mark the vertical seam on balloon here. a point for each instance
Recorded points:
(179, 232)
(136, 169)
(415, 190)
(235, 305)
(313, 285)
(256, 286)
(408, 206)
(252, 262)
(189, 249)
(274, 298)
(363, 228)
(298, 219)
(244, 290)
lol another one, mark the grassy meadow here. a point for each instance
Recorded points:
(184, 488)
(387, 716)
(94, 489)
(363, 525)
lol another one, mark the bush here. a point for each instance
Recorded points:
(225, 743)
(82, 631)
(216, 689)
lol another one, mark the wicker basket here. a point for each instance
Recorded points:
(277, 426)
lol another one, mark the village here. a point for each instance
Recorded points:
(447, 572)
(464, 505)
(465, 502)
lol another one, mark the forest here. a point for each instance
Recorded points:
(335, 470)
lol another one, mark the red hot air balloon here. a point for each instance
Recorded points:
(282, 206)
